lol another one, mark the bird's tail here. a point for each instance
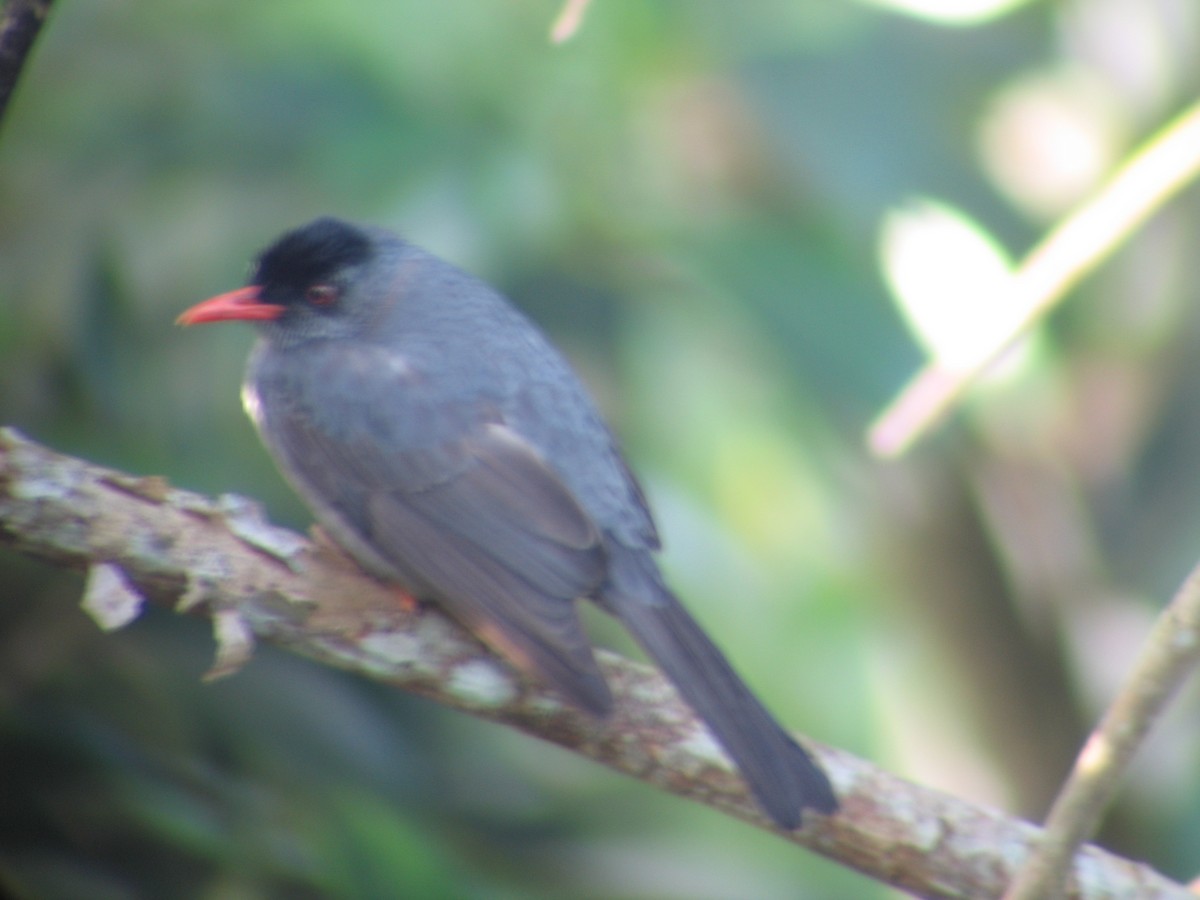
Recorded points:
(781, 775)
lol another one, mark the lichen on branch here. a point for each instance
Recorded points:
(141, 538)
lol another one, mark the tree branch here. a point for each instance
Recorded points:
(1167, 660)
(141, 537)
(20, 23)
(1149, 178)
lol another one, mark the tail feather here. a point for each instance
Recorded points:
(781, 775)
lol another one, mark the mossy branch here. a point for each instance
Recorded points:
(143, 540)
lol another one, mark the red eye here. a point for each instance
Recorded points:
(322, 295)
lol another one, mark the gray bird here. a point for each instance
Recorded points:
(448, 447)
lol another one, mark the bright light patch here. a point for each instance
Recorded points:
(951, 12)
(951, 280)
(1049, 138)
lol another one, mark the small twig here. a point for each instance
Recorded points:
(1163, 167)
(20, 23)
(1168, 658)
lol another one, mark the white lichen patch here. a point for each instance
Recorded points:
(652, 692)
(925, 832)
(245, 518)
(698, 750)
(196, 504)
(659, 695)
(395, 646)
(235, 643)
(436, 632)
(55, 478)
(482, 684)
(109, 598)
(198, 591)
(210, 567)
(395, 653)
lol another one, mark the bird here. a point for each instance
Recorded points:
(441, 440)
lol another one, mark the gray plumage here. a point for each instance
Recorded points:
(441, 439)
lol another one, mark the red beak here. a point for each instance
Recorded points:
(244, 303)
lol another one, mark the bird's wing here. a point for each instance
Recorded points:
(466, 512)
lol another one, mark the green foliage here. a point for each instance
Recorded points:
(689, 197)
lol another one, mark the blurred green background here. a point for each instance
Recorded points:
(692, 198)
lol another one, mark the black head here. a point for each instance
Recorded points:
(314, 282)
(312, 264)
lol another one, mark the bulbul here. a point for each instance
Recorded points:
(442, 441)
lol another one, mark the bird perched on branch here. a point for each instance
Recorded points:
(448, 447)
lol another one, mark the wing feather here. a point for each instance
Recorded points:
(481, 524)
